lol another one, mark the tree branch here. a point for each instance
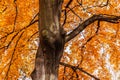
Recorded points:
(70, 1)
(65, 12)
(82, 26)
(77, 68)
(10, 63)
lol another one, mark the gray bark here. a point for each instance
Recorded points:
(51, 41)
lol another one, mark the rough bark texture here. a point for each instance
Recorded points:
(51, 41)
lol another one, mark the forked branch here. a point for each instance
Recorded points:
(80, 69)
(82, 26)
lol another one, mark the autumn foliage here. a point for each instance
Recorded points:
(95, 50)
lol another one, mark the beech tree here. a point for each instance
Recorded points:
(59, 39)
(53, 37)
(51, 41)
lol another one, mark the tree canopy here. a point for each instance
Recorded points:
(92, 53)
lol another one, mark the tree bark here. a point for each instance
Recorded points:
(51, 43)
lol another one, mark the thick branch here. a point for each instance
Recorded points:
(82, 26)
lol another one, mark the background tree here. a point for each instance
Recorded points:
(95, 49)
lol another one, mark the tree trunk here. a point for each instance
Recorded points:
(52, 39)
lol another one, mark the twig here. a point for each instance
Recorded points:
(12, 56)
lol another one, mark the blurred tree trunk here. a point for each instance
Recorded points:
(51, 41)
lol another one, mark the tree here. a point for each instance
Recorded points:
(51, 41)
(81, 15)
(53, 37)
